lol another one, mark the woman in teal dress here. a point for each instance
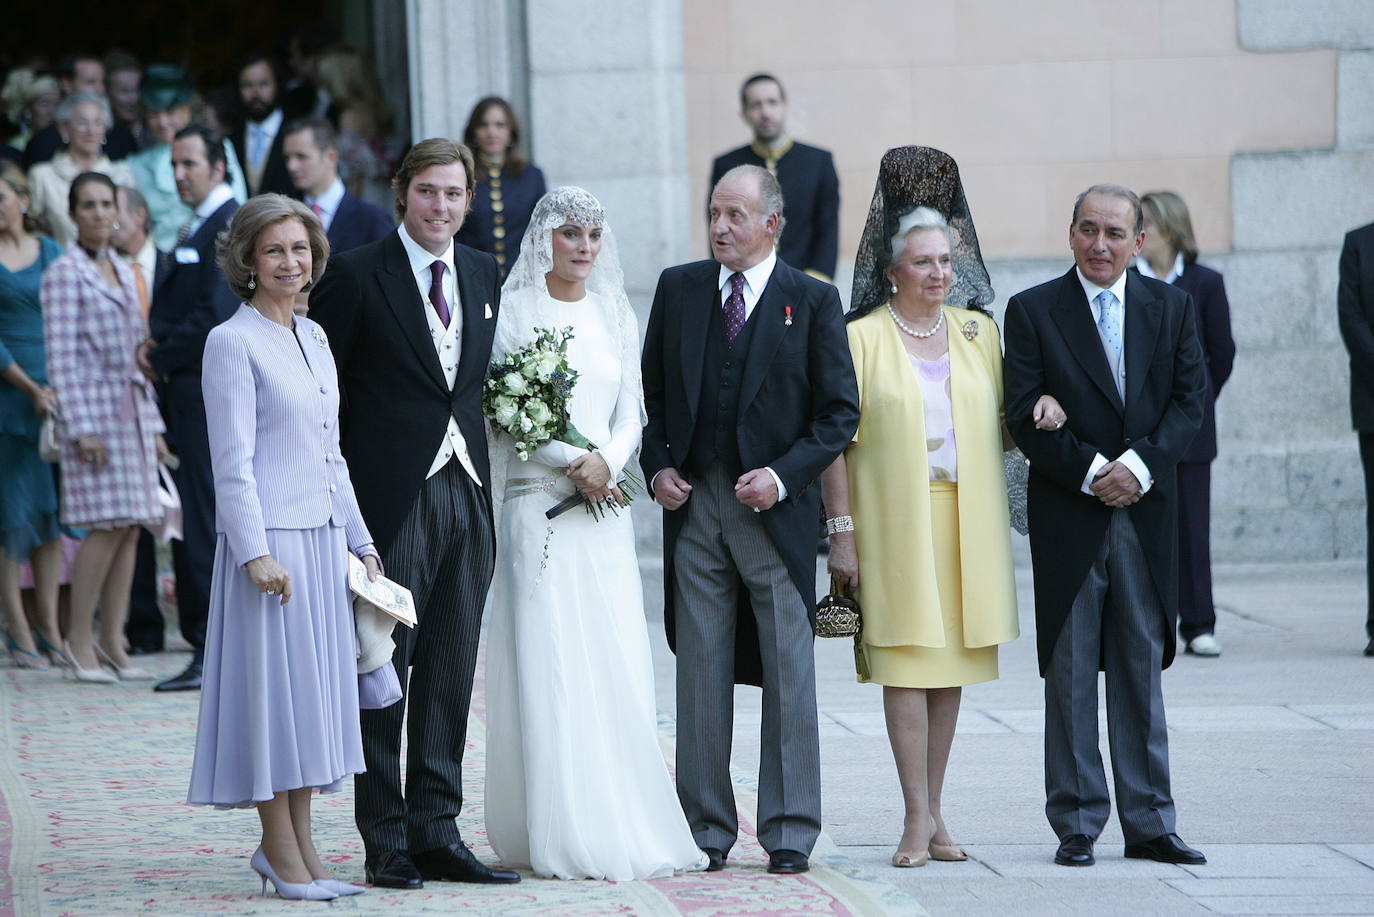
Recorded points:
(28, 492)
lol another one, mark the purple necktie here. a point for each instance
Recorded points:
(734, 307)
(436, 291)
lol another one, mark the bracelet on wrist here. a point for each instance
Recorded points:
(838, 524)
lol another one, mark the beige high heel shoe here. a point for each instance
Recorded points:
(74, 669)
(947, 853)
(128, 673)
(910, 859)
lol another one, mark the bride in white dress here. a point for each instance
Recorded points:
(576, 785)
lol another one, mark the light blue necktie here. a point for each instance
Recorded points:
(259, 149)
(1109, 324)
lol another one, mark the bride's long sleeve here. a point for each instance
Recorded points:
(627, 423)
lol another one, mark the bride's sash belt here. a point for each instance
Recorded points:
(524, 487)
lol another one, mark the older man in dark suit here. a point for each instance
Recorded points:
(190, 297)
(750, 394)
(1121, 354)
(312, 161)
(1355, 308)
(810, 186)
(410, 319)
(258, 139)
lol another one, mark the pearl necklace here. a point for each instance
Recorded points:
(939, 323)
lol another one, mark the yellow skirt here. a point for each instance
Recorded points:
(953, 664)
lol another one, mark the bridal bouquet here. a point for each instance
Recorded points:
(527, 393)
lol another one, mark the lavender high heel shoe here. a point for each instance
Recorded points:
(307, 891)
(340, 888)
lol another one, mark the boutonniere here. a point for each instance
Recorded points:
(318, 333)
(970, 330)
(787, 311)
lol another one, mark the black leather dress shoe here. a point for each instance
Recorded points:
(141, 649)
(1075, 850)
(1369, 650)
(188, 680)
(787, 862)
(1167, 848)
(392, 869)
(455, 863)
(716, 859)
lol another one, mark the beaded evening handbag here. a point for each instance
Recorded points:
(838, 615)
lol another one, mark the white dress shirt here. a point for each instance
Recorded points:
(146, 262)
(260, 137)
(1175, 272)
(448, 342)
(329, 202)
(1129, 458)
(217, 198)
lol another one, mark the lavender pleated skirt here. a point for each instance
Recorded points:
(279, 697)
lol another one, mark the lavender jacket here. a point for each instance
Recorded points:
(273, 419)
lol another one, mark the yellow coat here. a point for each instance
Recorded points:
(889, 497)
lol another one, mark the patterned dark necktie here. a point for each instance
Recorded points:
(734, 307)
(436, 291)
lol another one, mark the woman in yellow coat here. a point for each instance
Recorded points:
(918, 515)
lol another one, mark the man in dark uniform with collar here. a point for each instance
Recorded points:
(810, 186)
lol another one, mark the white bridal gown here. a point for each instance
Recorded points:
(576, 784)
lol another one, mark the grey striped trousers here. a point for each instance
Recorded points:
(722, 548)
(1116, 619)
(444, 554)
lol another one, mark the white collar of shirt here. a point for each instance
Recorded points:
(1092, 290)
(755, 279)
(329, 201)
(421, 258)
(146, 259)
(218, 196)
(1175, 272)
(269, 125)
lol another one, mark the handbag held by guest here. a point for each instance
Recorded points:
(838, 614)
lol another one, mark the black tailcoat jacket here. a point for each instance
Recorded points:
(394, 402)
(798, 410)
(1053, 348)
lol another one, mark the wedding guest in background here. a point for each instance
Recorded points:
(167, 95)
(806, 173)
(508, 185)
(110, 427)
(1169, 253)
(1355, 310)
(122, 75)
(304, 97)
(258, 137)
(30, 99)
(83, 119)
(78, 72)
(281, 635)
(189, 299)
(28, 492)
(1120, 353)
(312, 158)
(132, 240)
(923, 477)
(363, 120)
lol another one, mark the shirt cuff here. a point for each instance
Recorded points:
(782, 488)
(1098, 461)
(368, 550)
(1137, 466)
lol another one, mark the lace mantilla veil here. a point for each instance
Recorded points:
(526, 305)
(911, 177)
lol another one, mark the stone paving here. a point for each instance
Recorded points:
(1272, 749)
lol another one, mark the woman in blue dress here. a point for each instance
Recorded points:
(28, 492)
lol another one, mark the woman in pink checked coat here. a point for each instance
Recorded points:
(109, 426)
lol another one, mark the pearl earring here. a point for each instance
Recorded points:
(894, 288)
(252, 281)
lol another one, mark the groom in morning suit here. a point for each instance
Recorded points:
(1120, 352)
(750, 393)
(410, 320)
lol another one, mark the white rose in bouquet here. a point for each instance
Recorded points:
(525, 423)
(547, 364)
(539, 412)
(515, 384)
(506, 409)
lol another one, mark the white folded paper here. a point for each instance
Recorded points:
(389, 597)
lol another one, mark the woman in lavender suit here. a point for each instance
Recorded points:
(279, 703)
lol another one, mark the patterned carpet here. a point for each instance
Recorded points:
(92, 779)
